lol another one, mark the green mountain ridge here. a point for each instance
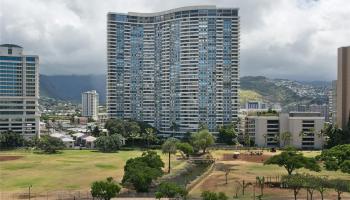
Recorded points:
(283, 91)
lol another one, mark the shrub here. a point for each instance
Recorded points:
(170, 190)
(185, 147)
(105, 189)
(345, 166)
(207, 195)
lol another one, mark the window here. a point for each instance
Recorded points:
(9, 51)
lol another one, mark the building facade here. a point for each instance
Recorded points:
(332, 103)
(304, 129)
(175, 67)
(89, 101)
(19, 91)
(343, 87)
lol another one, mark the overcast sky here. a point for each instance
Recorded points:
(296, 39)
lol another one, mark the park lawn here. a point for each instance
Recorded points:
(248, 171)
(68, 170)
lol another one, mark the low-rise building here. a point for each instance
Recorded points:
(303, 128)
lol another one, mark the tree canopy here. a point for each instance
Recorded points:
(49, 144)
(227, 134)
(292, 160)
(110, 143)
(202, 140)
(141, 171)
(337, 157)
(9, 139)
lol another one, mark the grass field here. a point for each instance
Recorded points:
(68, 170)
(242, 170)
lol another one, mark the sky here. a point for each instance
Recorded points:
(295, 39)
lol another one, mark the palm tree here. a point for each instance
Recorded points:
(169, 147)
(149, 135)
(174, 127)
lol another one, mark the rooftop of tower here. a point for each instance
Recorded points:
(187, 8)
(10, 45)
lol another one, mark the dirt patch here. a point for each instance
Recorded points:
(247, 157)
(9, 158)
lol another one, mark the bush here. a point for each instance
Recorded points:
(49, 144)
(9, 140)
(105, 189)
(185, 147)
(345, 166)
(170, 190)
(141, 171)
(331, 165)
(207, 195)
(109, 143)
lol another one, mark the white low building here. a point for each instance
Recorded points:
(270, 130)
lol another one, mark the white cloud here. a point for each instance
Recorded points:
(286, 38)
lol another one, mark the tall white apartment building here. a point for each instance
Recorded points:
(179, 66)
(89, 101)
(19, 91)
(304, 129)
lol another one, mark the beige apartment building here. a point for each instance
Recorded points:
(304, 127)
(343, 87)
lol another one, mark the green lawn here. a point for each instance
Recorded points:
(68, 170)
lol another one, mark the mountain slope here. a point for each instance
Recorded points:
(283, 91)
(70, 87)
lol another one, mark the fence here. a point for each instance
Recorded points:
(59, 195)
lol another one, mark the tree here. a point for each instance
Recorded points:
(171, 190)
(174, 127)
(96, 132)
(286, 138)
(115, 126)
(170, 147)
(261, 183)
(310, 183)
(337, 157)
(149, 135)
(141, 171)
(49, 144)
(340, 186)
(321, 184)
(227, 134)
(294, 182)
(244, 185)
(9, 139)
(132, 130)
(207, 195)
(105, 190)
(202, 140)
(185, 147)
(292, 160)
(336, 136)
(110, 143)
